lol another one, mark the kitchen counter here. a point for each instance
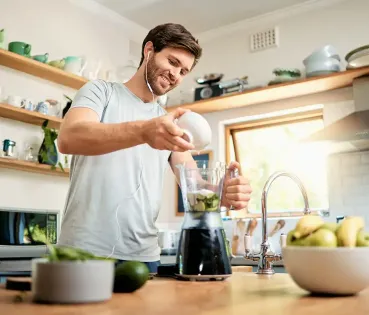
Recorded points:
(242, 293)
(237, 261)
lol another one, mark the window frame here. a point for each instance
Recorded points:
(232, 129)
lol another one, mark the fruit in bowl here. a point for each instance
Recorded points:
(327, 258)
(311, 230)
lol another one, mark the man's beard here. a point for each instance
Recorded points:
(152, 77)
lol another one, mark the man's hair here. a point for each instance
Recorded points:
(174, 36)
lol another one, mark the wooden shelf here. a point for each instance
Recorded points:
(30, 117)
(278, 92)
(31, 167)
(41, 70)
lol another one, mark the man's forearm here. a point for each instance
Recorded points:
(94, 138)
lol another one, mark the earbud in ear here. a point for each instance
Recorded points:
(148, 55)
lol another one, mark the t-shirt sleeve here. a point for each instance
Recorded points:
(93, 95)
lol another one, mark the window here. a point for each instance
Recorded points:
(265, 146)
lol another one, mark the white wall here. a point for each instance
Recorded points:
(60, 28)
(342, 25)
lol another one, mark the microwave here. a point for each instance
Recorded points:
(24, 233)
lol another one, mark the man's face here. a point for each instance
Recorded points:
(167, 68)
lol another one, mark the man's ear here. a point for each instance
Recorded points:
(148, 49)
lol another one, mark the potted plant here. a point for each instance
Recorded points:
(67, 106)
(48, 153)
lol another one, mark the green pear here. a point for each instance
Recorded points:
(362, 239)
(332, 226)
(321, 238)
(293, 241)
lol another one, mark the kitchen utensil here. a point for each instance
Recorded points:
(323, 53)
(41, 58)
(2, 39)
(18, 284)
(72, 281)
(14, 100)
(210, 78)
(357, 52)
(278, 226)
(203, 252)
(8, 147)
(20, 48)
(168, 241)
(27, 104)
(238, 246)
(57, 63)
(196, 129)
(326, 65)
(43, 107)
(75, 64)
(251, 226)
(322, 270)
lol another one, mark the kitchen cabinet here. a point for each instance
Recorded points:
(243, 292)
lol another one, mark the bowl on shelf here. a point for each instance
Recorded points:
(328, 271)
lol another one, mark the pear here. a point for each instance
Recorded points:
(292, 240)
(321, 238)
(348, 231)
(332, 226)
(362, 239)
(307, 224)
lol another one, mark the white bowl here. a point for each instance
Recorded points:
(196, 128)
(322, 270)
(72, 281)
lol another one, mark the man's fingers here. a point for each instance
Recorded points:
(178, 113)
(179, 144)
(173, 129)
(238, 196)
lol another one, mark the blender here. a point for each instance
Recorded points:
(203, 253)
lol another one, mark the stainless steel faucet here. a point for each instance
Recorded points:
(266, 257)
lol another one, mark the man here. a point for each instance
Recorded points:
(121, 141)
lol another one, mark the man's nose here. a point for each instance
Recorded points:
(175, 74)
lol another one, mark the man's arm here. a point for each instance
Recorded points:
(81, 133)
(181, 158)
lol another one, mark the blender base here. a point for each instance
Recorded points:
(202, 277)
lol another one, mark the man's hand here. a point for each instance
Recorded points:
(236, 191)
(163, 134)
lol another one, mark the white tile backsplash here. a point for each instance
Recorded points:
(348, 180)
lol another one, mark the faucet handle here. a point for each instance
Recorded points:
(248, 243)
(283, 240)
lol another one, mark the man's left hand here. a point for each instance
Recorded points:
(237, 190)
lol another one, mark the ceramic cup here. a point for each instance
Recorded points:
(196, 129)
(20, 48)
(15, 101)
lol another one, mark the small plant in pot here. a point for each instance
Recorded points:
(48, 153)
(67, 106)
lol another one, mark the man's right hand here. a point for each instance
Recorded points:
(163, 134)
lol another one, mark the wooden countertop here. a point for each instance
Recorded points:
(243, 293)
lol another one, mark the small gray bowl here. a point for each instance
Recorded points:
(72, 281)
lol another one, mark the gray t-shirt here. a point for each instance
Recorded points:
(114, 199)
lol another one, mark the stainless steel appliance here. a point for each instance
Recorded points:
(168, 242)
(23, 236)
(212, 87)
